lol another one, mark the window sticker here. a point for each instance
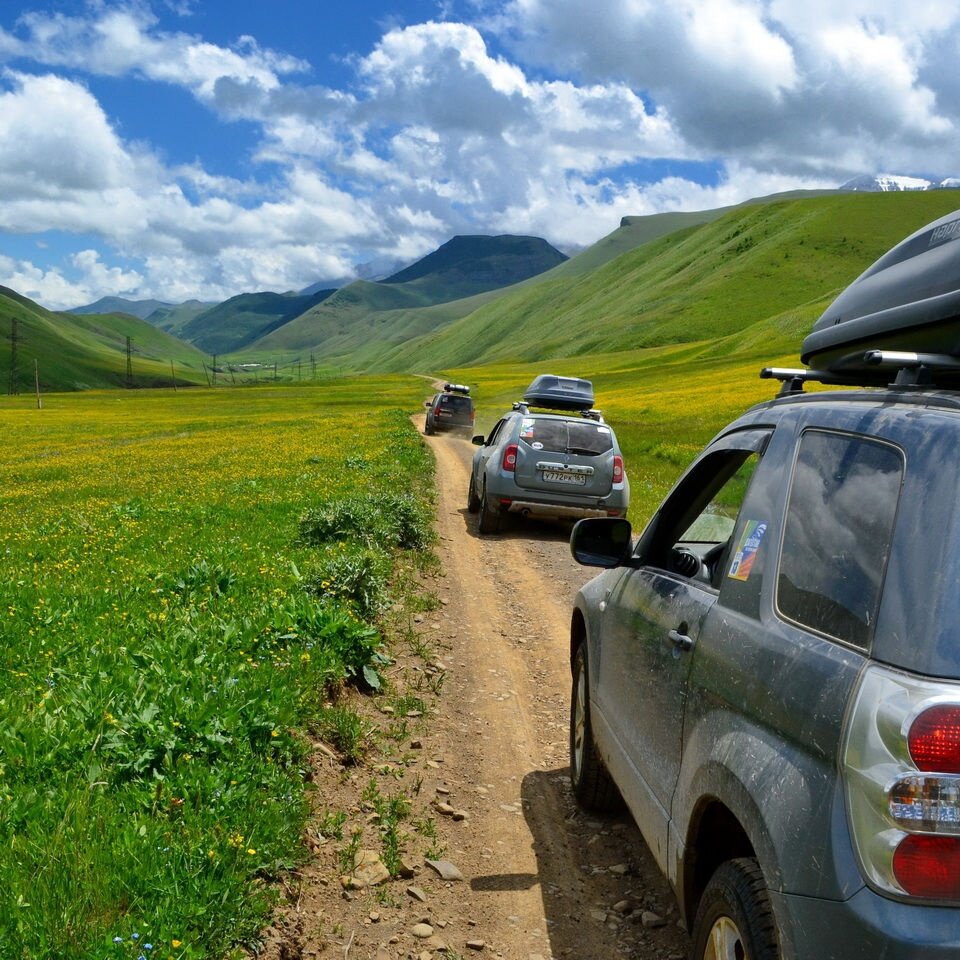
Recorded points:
(536, 445)
(526, 428)
(603, 429)
(746, 553)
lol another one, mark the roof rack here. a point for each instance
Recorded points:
(914, 371)
(591, 414)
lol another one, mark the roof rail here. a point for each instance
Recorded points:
(592, 415)
(914, 371)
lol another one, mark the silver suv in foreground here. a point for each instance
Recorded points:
(769, 676)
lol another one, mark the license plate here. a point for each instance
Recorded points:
(556, 476)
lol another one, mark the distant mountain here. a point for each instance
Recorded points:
(174, 318)
(136, 308)
(892, 182)
(366, 311)
(237, 322)
(78, 351)
(474, 264)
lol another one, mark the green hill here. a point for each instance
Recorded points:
(364, 312)
(173, 318)
(231, 325)
(699, 283)
(77, 352)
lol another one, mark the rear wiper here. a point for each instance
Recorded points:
(583, 450)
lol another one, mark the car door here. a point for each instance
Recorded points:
(652, 619)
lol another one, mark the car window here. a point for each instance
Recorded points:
(715, 524)
(455, 402)
(836, 540)
(566, 436)
(495, 432)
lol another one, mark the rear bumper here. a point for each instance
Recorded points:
(865, 927)
(536, 508)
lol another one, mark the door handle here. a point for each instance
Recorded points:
(680, 640)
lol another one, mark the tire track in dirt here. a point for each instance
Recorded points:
(545, 880)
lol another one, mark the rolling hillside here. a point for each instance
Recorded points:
(231, 325)
(700, 283)
(365, 311)
(79, 352)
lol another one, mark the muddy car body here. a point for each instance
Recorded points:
(770, 675)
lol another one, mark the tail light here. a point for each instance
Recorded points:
(509, 462)
(928, 867)
(934, 739)
(901, 767)
(617, 468)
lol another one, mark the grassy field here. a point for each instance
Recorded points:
(189, 579)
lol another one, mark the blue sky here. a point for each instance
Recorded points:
(181, 149)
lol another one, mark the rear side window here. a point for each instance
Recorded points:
(566, 436)
(840, 516)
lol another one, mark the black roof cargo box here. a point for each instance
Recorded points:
(909, 300)
(559, 393)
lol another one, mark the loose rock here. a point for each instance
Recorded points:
(446, 869)
(422, 931)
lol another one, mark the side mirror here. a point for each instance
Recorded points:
(602, 541)
(427, 403)
(479, 440)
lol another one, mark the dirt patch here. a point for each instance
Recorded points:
(486, 775)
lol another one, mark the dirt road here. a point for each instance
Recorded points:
(541, 879)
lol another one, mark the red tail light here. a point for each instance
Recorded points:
(934, 739)
(509, 462)
(928, 866)
(617, 468)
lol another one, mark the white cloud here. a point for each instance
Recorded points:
(439, 135)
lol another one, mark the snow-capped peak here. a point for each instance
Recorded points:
(889, 182)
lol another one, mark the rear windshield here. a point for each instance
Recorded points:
(566, 436)
(454, 401)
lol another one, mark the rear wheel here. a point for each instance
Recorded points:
(735, 920)
(490, 516)
(473, 501)
(591, 783)
(427, 429)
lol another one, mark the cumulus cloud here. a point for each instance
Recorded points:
(792, 85)
(559, 133)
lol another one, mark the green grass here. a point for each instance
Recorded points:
(164, 653)
(709, 281)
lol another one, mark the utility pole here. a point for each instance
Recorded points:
(173, 377)
(129, 363)
(214, 369)
(274, 369)
(313, 366)
(15, 338)
(298, 370)
(36, 380)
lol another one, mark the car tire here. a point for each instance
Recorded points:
(491, 518)
(428, 430)
(735, 918)
(589, 779)
(473, 501)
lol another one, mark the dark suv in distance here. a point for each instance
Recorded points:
(769, 676)
(451, 409)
